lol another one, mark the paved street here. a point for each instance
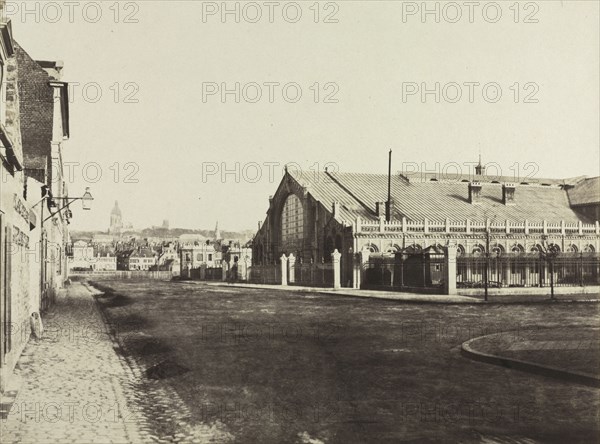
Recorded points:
(274, 366)
(73, 384)
(199, 363)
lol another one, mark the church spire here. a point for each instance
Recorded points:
(479, 169)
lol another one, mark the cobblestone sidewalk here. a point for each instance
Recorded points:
(72, 381)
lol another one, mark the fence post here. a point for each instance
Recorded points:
(203, 272)
(357, 269)
(581, 269)
(450, 281)
(335, 259)
(284, 269)
(291, 265)
(224, 268)
(364, 259)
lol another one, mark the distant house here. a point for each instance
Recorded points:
(192, 257)
(123, 259)
(238, 258)
(141, 259)
(168, 259)
(106, 262)
(82, 256)
(135, 259)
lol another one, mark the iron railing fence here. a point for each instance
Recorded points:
(264, 274)
(406, 272)
(214, 274)
(528, 270)
(313, 274)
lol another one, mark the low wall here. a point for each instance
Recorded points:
(592, 290)
(123, 274)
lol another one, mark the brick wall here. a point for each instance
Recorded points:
(36, 110)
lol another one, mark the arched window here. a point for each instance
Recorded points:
(535, 249)
(372, 248)
(589, 249)
(554, 247)
(572, 249)
(478, 250)
(517, 249)
(292, 225)
(497, 250)
(460, 250)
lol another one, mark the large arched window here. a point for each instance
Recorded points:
(292, 225)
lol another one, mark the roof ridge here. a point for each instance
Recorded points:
(347, 191)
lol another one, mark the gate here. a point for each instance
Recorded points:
(313, 274)
(422, 271)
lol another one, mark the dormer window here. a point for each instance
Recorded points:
(508, 193)
(475, 192)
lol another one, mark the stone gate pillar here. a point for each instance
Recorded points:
(284, 261)
(357, 265)
(335, 259)
(450, 277)
(364, 258)
(224, 267)
(291, 265)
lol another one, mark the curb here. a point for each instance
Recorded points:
(402, 297)
(579, 378)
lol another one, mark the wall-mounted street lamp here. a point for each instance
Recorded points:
(86, 201)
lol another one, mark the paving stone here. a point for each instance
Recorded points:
(69, 386)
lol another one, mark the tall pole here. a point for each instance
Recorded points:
(487, 260)
(388, 204)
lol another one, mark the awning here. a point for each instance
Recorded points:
(32, 220)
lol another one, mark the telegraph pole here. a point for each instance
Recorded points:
(388, 204)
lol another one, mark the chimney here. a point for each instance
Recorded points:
(336, 209)
(508, 193)
(380, 209)
(475, 193)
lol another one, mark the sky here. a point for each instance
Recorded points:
(334, 84)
